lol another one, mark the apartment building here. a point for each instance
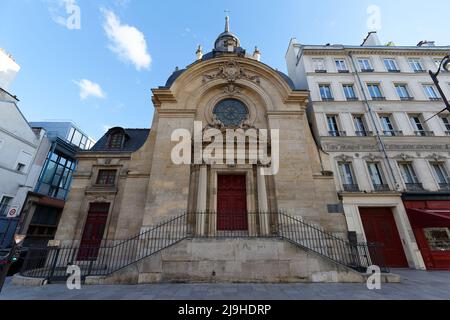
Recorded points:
(371, 111)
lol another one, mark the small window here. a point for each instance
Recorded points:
(409, 177)
(341, 65)
(446, 122)
(391, 65)
(360, 125)
(440, 173)
(438, 238)
(116, 140)
(431, 92)
(325, 92)
(20, 167)
(106, 177)
(416, 65)
(376, 175)
(387, 125)
(319, 65)
(365, 65)
(333, 127)
(375, 91)
(349, 91)
(418, 126)
(402, 91)
(348, 177)
(4, 204)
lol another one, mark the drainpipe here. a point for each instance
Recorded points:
(374, 123)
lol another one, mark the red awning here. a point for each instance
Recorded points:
(422, 218)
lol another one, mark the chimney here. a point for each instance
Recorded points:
(371, 40)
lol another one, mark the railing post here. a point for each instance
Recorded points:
(54, 263)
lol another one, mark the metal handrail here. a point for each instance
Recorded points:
(51, 262)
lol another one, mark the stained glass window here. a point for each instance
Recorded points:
(231, 112)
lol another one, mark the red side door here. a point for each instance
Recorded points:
(380, 227)
(232, 203)
(93, 231)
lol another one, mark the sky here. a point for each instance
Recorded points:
(94, 62)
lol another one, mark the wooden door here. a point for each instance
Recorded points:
(232, 203)
(380, 227)
(93, 231)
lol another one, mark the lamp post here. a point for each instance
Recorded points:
(445, 64)
(12, 257)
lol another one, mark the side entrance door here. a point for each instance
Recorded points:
(232, 203)
(380, 227)
(93, 231)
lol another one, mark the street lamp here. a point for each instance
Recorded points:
(445, 64)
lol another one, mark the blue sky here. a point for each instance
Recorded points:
(125, 48)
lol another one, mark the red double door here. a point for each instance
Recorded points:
(93, 231)
(232, 203)
(380, 227)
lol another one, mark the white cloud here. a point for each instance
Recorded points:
(90, 89)
(126, 41)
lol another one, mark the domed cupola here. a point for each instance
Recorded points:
(227, 41)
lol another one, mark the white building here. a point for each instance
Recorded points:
(22, 154)
(8, 69)
(368, 110)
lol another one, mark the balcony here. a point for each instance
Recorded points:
(367, 70)
(444, 186)
(320, 71)
(351, 188)
(407, 98)
(364, 133)
(414, 187)
(394, 70)
(343, 71)
(327, 99)
(420, 71)
(435, 99)
(447, 133)
(381, 187)
(423, 133)
(379, 98)
(337, 133)
(393, 133)
(352, 98)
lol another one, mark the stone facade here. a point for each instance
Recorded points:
(376, 131)
(150, 188)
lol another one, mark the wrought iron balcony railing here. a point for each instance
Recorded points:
(414, 187)
(424, 133)
(364, 133)
(444, 186)
(351, 187)
(337, 133)
(379, 98)
(393, 133)
(381, 187)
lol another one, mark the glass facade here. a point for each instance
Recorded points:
(56, 176)
(77, 138)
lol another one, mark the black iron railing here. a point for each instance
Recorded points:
(108, 257)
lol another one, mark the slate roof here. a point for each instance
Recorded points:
(135, 139)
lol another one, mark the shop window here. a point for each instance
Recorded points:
(438, 238)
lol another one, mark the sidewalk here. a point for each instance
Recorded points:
(415, 285)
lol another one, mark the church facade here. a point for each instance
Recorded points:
(132, 182)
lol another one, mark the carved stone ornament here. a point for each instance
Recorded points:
(436, 157)
(231, 71)
(231, 89)
(344, 158)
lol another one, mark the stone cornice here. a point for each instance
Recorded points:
(405, 51)
(162, 95)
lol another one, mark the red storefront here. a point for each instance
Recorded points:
(430, 219)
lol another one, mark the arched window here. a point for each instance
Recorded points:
(231, 112)
(116, 140)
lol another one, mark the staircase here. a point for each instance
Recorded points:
(51, 263)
